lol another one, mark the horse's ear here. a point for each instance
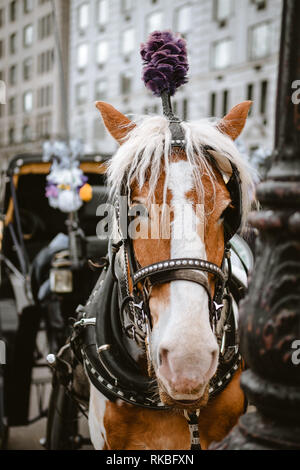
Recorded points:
(116, 123)
(234, 122)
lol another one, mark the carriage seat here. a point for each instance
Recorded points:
(41, 263)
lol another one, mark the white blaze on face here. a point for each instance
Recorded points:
(183, 329)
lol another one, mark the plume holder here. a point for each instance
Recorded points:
(177, 132)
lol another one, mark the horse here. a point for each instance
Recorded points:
(182, 347)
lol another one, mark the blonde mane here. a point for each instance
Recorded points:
(148, 147)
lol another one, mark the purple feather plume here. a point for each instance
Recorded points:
(165, 62)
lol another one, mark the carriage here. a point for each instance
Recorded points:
(44, 259)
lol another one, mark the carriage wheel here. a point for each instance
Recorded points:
(62, 423)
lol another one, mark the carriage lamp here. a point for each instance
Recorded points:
(61, 277)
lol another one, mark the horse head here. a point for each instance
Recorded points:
(190, 184)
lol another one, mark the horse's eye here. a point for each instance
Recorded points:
(138, 209)
(225, 212)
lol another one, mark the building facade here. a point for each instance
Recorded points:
(233, 53)
(29, 68)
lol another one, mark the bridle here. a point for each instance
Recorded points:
(142, 279)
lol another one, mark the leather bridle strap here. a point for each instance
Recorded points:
(163, 268)
(184, 275)
(184, 269)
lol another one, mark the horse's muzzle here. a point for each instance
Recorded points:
(183, 378)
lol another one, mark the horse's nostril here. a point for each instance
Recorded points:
(162, 356)
(159, 359)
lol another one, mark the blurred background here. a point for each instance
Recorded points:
(233, 50)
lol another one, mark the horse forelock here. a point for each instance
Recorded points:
(147, 151)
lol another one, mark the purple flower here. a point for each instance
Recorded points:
(165, 62)
(51, 190)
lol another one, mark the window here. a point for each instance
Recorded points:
(13, 75)
(28, 6)
(225, 101)
(213, 104)
(12, 106)
(45, 61)
(83, 16)
(264, 97)
(185, 109)
(250, 94)
(102, 52)
(128, 41)
(223, 10)
(45, 26)
(13, 11)
(82, 56)
(28, 101)
(48, 95)
(13, 43)
(260, 41)
(154, 22)
(1, 17)
(11, 136)
(222, 54)
(81, 93)
(2, 92)
(44, 96)
(1, 48)
(43, 128)
(126, 83)
(101, 89)
(28, 35)
(103, 12)
(127, 5)
(260, 4)
(183, 19)
(27, 68)
(27, 133)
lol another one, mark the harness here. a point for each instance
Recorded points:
(98, 341)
